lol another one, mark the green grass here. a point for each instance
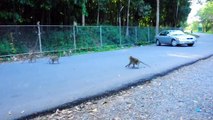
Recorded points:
(103, 48)
(210, 32)
(197, 36)
(80, 51)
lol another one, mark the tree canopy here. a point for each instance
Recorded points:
(95, 12)
(206, 15)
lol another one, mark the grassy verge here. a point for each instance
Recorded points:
(197, 36)
(80, 51)
(210, 32)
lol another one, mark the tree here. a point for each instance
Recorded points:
(84, 11)
(176, 15)
(157, 17)
(64, 12)
(206, 15)
(100, 8)
(98, 13)
(127, 18)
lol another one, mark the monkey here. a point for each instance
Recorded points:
(53, 59)
(14, 58)
(19, 57)
(32, 57)
(1, 60)
(135, 61)
(67, 53)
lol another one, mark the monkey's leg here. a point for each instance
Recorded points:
(30, 60)
(34, 59)
(138, 66)
(49, 61)
(133, 65)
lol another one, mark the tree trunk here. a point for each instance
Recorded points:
(176, 15)
(84, 12)
(119, 20)
(98, 13)
(127, 22)
(157, 17)
(83, 20)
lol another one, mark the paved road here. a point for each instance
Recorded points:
(184, 94)
(29, 88)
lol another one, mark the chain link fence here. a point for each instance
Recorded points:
(21, 39)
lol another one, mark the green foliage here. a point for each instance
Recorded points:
(84, 9)
(56, 40)
(10, 16)
(26, 2)
(206, 15)
(87, 37)
(57, 12)
(6, 47)
(194, 26)
(111, 35)
(60, 39)
(46, 5)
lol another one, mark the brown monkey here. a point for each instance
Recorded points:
(54, 59)
(1, 60)
(134, 61)
(32, 57)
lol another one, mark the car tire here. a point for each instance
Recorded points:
(190, 44)
(174, 42)
(158, 43)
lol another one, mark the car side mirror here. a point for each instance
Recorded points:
(162, 34)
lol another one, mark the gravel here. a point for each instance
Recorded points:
(184, 94)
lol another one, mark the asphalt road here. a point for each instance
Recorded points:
(28, 88)
(184, 94)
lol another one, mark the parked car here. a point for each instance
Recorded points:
(174, 38)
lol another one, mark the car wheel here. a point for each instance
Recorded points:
(174, 43)
(158, 43)
(190, 44)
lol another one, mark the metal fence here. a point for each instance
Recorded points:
(21, 39)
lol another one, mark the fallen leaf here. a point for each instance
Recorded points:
(94, 110)
(10, 113)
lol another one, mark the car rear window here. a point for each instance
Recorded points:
(176, 33)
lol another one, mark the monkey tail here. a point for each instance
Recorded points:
(145, 64)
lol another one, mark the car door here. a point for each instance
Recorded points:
(164, 38)
(167, 38)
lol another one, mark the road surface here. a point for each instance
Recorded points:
(184, 94)
(27, 88)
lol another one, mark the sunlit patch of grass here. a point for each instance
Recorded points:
(197, 36)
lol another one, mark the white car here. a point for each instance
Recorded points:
(174, 38)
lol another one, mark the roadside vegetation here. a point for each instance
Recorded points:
(206, 19)
(122, 16)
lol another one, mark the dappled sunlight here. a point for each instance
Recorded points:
(182, 55)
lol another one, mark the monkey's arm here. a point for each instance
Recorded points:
(128, 64)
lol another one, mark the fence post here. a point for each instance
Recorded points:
(39, 36)
(74, 37)
(148, 38)
(101, 36)
(120, 34)
(136, 34)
